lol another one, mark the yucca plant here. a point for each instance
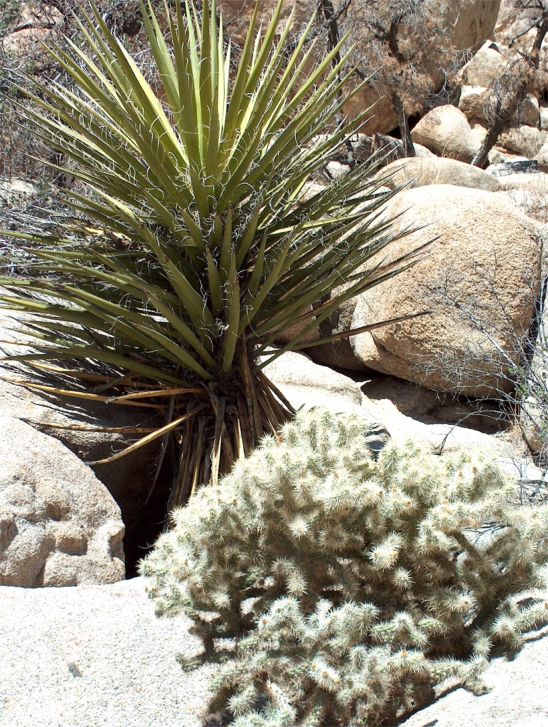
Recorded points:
(192, 247)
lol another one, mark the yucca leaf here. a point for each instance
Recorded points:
(142, 329)
(83, 352)
(227, 243)
(154, 393)
(115, 107)
(71, 393)
(192, 63)
(249, 235)
(161, 432)
(215, 285)
(232, 306)
(236, 104)
(161, 53)
(257, 271)
(252, 303)
(190, 297)
(126, 77)
(207, 83)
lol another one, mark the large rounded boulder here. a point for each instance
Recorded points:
(476, 286)
(445, 131)
(58, 524)
(415, 172)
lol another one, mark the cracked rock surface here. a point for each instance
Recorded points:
(59, 526)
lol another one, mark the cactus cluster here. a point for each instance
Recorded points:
(353, 583)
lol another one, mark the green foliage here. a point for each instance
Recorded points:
(353, 584)
(196, 248)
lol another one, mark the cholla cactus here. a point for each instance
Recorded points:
(353, 585)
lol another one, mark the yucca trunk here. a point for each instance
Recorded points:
(225, 421)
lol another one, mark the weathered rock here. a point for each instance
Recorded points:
(383, 117)
(514, 29)
(81, 428)
(381, 145)
(510, 22)
(534, 388)
(537, 181)
(436, 170)
(358, 149)
(421, 152)
(515, 696)
(531, 201)
(542, 157)
(477, 284)
(529, 193)
(544, 118)
(96, 655)
(506, 448)
(311, 189)
(92, 430)
(58, 524)
(435, 407)
(295, 329)
(529, 112)
(445, 131)
(306, 384)
(479, 132)
(336, 170)
(440, 438)
(32, 28)
(524, 140)
(340, 353)
(485, 67)
(409, 399)
(498, 155)
(474, 101)
(517, 167)
(14, 192)
(473, 20)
